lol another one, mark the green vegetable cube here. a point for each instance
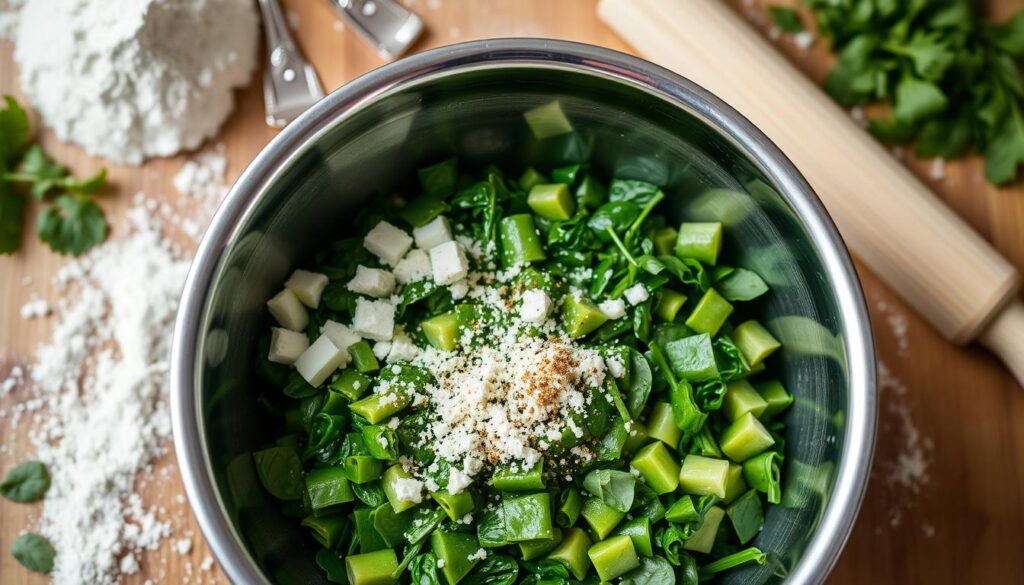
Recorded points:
(389, 482)
(692, 358)
(639, 531)
(533, 549)
(754, 341)
(665, 241)
(614, 557)
(580, 316)
(657, 467)
(703, 476)
(351, 384)
(572, 552)
(528, 517)
(453, 550)
(590, 193)
(373, 568)
(520, 242)
(734, 483)
(669, 303)
(704, 538)
(700, 241)
(661, 425)
(457, 506)
(710, 313)
(530, 178)
(747, 516)
(442, 331)
(552, 201)
(775, 396)
(505, 479)
(328, 487)
(744, 438)
(741, 398)
(601, 517)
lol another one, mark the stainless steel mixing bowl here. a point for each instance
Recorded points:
(631, 119)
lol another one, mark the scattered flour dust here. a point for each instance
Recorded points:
(907, 470)
(97, 392)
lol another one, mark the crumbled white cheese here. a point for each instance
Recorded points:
(457, 481)
(340, 335)
(459, 289)
(286, 346)
(536, 306)
(289, 311)
(374, 319)
(636, 294)
(402, 349)
(387, 242)
(320, 360)
(613, 308)
(408, 489)
(307, 286)
(414, 267)
(615, 367)
(479, 555)
(381, 349)
(449, 263)
(435, 233)
(372, 282)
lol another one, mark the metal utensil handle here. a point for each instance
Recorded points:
(279, 37)
(384, 23)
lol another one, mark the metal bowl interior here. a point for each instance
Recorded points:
(629, 119)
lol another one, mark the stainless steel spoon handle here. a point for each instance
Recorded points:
(388, 26)
(290, 84)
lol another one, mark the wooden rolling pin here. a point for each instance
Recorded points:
(888, 218)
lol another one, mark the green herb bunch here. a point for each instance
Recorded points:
(952, 78)
(72, 223)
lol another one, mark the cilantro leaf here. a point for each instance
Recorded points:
(14, 131)
(1010, 36)
(12, 217)
(90, 186)
(1006, 151)
(929, 54)
(786, 19)
(73, 225)
(39, 171)
(917, 99)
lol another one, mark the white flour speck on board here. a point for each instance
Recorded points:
(35, 308)
(804, 40)
(897, 323)
(937, 171)
(131, 79)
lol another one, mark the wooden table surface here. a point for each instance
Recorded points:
(946, 499)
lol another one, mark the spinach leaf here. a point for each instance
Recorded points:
(741, 285)
(494, 570)
(672, 539)
(27, 482)
(423, 523)
(615, 488)
(639, 192)
(545, 572)
(652, 571)
(423, 570)
(614, 215)
(438, 181)
(333, 565)
(371, 494)
(639, 383)
(34, 552)
(280, 472)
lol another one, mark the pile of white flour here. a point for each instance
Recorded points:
(130, 79)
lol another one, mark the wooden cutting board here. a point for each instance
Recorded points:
(946, 500)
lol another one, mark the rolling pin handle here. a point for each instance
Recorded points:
(1004, 336)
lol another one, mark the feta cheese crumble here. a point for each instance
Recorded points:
(387, 242)
(636, 294)
(374, 319)
(372, 282)
(613, 308)
(536, 306)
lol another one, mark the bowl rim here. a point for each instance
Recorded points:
(836, 523)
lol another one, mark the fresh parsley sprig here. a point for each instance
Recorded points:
(73, 223)
(952, 79)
